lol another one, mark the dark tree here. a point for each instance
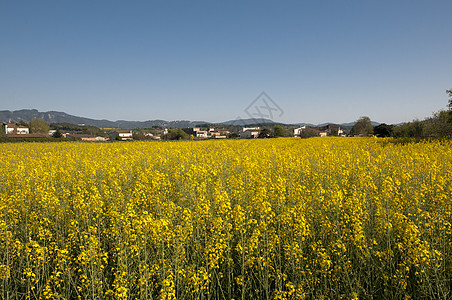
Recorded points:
(383, 130)
(280, 131)
(309, 132)
(410, 129)
(233, 135)
(362, 127)
(57, 134)
(22, 123)
(265, 133)
(439, 125)
(449, 93)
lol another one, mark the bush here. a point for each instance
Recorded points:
(176, 134)
(308, 133)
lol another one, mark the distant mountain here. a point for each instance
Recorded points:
(27, 115)
(350, 124)
(305, 124)
(241, 122)
(160, 123)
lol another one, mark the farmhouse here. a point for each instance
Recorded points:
(212, 132)
(297, 132)
(250, 132)
(85, 137)
(332, 129)
(123, 135)
(203, 134)
(10, 128)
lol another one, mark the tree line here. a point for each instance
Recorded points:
(438, 125)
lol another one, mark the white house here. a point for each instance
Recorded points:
(9, 128)
(203, 134)
(125, 135)
(250, 128)
(297, 131)
(313, 130)
(250, 132)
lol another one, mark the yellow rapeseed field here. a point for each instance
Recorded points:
(284, 218)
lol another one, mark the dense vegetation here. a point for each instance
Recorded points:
(284, 218)
(438, 125)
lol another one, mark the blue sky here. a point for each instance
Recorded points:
(320, 61)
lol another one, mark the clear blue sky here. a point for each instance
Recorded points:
(208, 60)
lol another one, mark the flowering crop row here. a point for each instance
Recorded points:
(281, 219)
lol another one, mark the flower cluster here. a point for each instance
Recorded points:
(251, 219)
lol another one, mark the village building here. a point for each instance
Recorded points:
(86, 137)
(331, 129)
(322, 131)
(250, 132)
(297, 132)
(13, 129)
(211, 133)
(123, 135)
(202, 134)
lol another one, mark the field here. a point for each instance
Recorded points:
(284, 218)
